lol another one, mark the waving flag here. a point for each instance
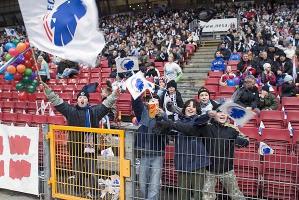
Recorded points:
(239, 114)
(127, 64)
(261, 127)
(11, 32)
(137, 84)
(290, 128)
(65, 28)
(265, 149)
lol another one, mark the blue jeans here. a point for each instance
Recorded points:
(150, 176)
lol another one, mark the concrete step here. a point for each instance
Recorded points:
(194, 65)
(201, 59)
(196, 70)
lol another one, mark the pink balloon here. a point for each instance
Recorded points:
(13, 52)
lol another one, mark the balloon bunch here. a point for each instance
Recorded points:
(20, 66)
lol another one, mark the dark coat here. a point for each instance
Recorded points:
(247, 97)
(147, 141)
(286, 66)
(288, 90)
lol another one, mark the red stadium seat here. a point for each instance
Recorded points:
(72, 81)
(8, 106)
(293, 118)
(226, 91)
(213, 74)
(83, 81)
(20, 107)
(58, 120)
(6, 87)
(278, 139)
(24, 118)
(57, 88)
(272, 118)
(66, 96)
(39, 119)
(95, 98)
(212, 81)
(95, 75)
(9, 117)
(290, 103)
(84, 75)
(69, 88)
(104, 64)
(280, 177)
(95, 70)
(6, 95)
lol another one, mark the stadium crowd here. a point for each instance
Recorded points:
(265, 45)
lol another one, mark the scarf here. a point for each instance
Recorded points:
(89, 138)
(205, 107)
(170, 98)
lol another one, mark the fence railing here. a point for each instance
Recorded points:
(168, 167)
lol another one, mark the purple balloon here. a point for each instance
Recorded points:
(20, 59)
(237, 80)
(33, 76)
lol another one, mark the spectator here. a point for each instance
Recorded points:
(172, 71)
(259, 62)
(171, 95)
(248, 95)
(229, 75)
(83, 149)
(267, 75)
(288, 88)
(206, 104)
(224, 51)
(218, 64)
(150, 148)
(151, 71)
(267, 100)
(285, 65)
(244, 63)
(43, 69)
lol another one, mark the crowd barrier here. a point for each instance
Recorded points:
(189, 167)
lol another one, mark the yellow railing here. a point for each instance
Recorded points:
(87, 162)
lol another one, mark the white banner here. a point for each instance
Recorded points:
(67, 29)
(19, 159)
(218, 25)
(11, 32)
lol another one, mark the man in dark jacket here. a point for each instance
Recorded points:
(285, 65)
(260, 61)
(82, 147)
(248, 95)
(150, 148)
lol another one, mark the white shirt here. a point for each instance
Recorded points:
(171, 71)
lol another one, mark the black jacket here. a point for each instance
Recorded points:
(288, 90)
(247, 97)
(219, 140)
(286, 66)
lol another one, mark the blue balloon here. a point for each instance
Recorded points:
(230, 82)
(8, 76)
(237, 80)
(20, 59)
(9, 45)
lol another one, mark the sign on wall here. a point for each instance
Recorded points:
(218, 25)
(19, 158)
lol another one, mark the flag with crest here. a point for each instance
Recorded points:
(127, 64)
(68, 29)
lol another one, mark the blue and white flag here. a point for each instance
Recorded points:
(65, 28)
(239, 114)
(137, 84)
(11, 32)
(127, 64)
(291, 130)
(265, 149)
(261, 127)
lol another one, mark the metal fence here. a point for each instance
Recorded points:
(87, 163)
(175, 167)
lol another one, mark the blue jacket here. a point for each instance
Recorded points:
(148, 142)
(235, 56)
(218, 64)
(190, 153)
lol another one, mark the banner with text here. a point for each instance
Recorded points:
(218, 25)
(19, 158)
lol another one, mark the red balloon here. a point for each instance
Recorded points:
(27, 44)
(23, 96)
(31, 97)
(13, 52)
(28, 55)
(18, 76)
(33, 67)
(27, 63)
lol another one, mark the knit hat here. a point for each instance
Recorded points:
(83, 93)
(287, 78)
(202, 89)
(171, 83)
(283, 54)
(266, 88)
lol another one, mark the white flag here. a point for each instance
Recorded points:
(290, 128)
(239, 114)
(67, 29)
(11, 32)
(284, 113)
(265, 149)
(127, 64)
(137, 84)
(262, 126)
